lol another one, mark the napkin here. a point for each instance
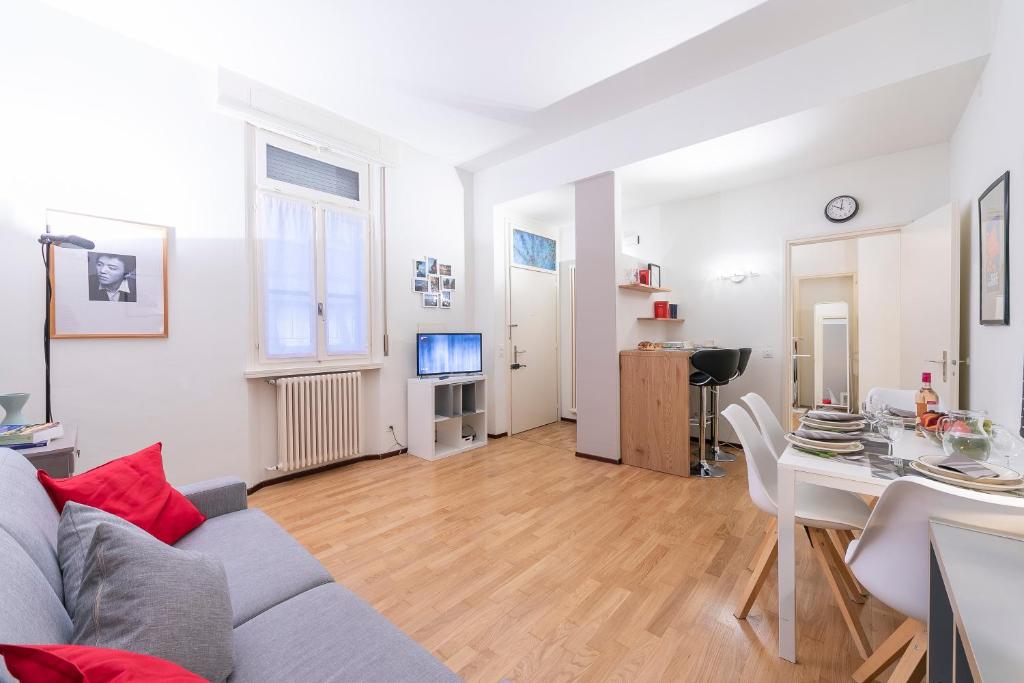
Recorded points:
(966, 466)
(822, 435)
(899, 412)
(831, 416)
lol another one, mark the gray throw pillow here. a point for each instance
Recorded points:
(74, 535)
(142, 595)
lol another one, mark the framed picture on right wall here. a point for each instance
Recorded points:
(994, 252)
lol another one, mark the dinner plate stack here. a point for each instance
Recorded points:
(831, 421)
(820, 445)
(1003, 479)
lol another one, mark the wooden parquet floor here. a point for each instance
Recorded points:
(521, 562)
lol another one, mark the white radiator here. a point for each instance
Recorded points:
(317, 419)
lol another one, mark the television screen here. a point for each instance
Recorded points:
(448, 354)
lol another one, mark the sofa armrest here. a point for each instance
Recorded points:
(216, 497)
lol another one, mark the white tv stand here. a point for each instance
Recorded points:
(441, 409)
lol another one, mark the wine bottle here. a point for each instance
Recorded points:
(926, 399)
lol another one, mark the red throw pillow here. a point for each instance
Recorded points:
(135, 489)
(80, 664)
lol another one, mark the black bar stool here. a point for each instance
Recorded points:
(717, 454)
(714, 367)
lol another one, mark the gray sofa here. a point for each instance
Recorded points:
(292, 622)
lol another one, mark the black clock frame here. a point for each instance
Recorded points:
(856, 208)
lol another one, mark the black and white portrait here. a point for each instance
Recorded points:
(112, 277)
(116, 289)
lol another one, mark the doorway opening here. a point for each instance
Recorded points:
(540, 266)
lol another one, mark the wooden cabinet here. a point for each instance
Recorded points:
(654, 410)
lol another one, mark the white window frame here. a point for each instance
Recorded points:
(258, 184)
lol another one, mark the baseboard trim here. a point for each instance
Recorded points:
(598, 458)
(569, 419)
(502, 435)
(322, 468)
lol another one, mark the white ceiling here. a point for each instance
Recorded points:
(476, 82)
(913, 113)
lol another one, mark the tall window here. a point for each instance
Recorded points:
(314, 244)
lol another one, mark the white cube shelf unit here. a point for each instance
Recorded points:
(447, 416)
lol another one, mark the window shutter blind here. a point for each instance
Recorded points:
(295, 169)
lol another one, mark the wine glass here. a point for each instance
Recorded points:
(871, 414)
(892, 430)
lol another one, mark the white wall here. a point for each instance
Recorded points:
(95, 123)
(988, 142)
(747, 229)
(597, 382)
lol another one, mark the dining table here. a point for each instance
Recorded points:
(868, 472)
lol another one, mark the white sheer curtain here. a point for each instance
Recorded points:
(345, 278)
(288, 236)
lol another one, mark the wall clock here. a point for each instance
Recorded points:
(841, 209)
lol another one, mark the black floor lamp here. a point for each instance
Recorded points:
(67, 242)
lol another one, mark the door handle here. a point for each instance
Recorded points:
(943, 363)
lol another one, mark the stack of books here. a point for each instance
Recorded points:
(30, 436)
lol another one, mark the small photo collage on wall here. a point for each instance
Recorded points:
(434, 282)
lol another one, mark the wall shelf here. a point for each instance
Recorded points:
(644, 288)
(664, 320)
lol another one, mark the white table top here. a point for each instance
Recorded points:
(860, 474)
(981, 572)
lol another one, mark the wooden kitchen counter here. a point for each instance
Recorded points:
(654, 410)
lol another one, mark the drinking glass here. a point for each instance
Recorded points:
(892, 430)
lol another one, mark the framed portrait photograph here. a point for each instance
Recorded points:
(994, 252)
(430, 300)
(117, 289)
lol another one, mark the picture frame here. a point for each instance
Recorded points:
(654, 276)
(430, 300)
(446, 299)
(434, 282)
(994, 253)
(420, 284)
(420, 267)
(431, 266)
(444, 269)
(447, 284)
(117, 289)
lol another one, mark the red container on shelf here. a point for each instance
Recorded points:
(660, 309)
(645, 276)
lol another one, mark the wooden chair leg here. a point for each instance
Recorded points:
(771, 535)
(822, 547)
(765, 560)
(838, 544)
(912, 665)
(889, 651)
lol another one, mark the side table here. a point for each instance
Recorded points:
(58, 457)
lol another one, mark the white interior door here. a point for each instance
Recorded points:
(930, 302)
(533, 315)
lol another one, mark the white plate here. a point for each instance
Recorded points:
(834, 426)
(835, 447)
(1004, 475)
(917, 467)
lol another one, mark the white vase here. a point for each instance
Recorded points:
(12, 405)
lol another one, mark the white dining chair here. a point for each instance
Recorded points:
(818, 510)
(880, 397)
(771, 428)
(891, 558)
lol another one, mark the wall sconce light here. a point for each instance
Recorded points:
(739, 276)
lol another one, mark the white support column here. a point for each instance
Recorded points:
(597, 353)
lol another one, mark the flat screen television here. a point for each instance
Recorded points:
(449, 354)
